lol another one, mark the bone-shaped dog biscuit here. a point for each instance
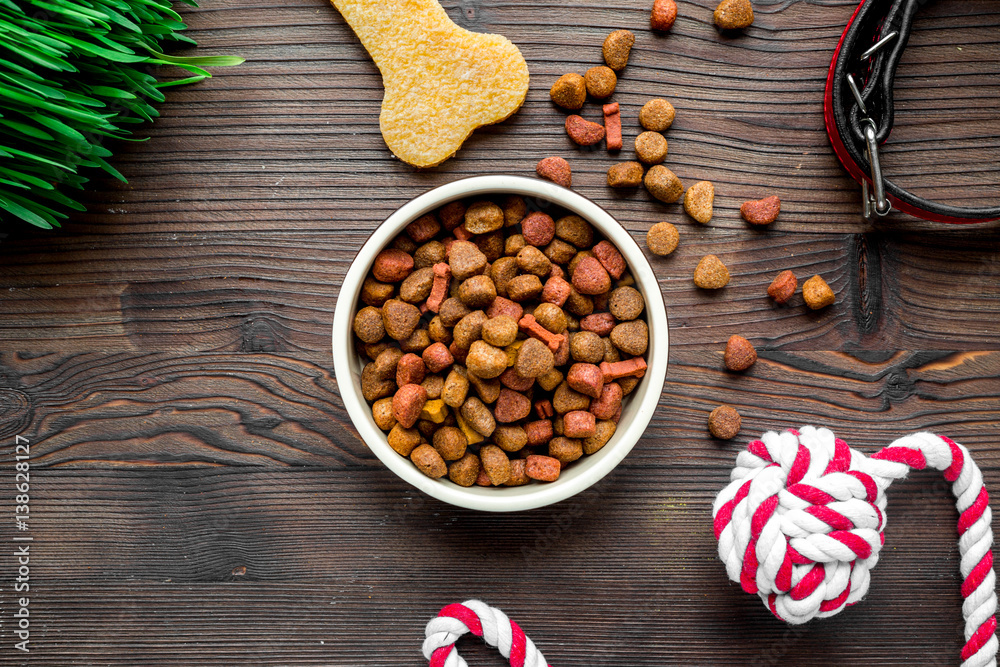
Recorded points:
(441, 81)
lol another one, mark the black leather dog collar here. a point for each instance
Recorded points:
(860, 120)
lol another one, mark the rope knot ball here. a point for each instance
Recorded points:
(800, 524)
(484, 621)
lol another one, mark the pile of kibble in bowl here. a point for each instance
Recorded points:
(501, 341)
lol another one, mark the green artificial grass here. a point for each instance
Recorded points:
(74, 74)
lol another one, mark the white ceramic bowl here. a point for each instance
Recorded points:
(639, 405)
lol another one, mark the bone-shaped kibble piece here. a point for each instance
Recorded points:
(634, 367)
(533, 328)
(441, 81)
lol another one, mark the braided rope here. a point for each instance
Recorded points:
(800, 524)
(483, 621)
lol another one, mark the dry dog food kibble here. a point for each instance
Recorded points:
(613, 126)
(740, 354)
(663, 184)
(555, 169)
(569, 91)
(662, 238)
(733, 14)
(782, 287)
(501, 342)
(583, 132)
(761, 212)
(663, 15)
(625, 175)
(711, 273)
(600, 81)
(817, 293)
(617, 47)
(724, 422)
(657, 115)
(698, 201)
(651, 147)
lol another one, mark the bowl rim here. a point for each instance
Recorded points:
(598, 465)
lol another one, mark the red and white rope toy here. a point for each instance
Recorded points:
(483, 621)
(801, 522)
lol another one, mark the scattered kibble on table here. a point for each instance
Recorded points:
(740, 354)
(724, 422)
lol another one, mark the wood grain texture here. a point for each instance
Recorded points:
(200, 497)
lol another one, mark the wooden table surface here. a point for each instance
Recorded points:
(200, 497)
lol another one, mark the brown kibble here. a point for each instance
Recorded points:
(551, 317)
(513, 244)
(733, 14)
(478, 416)
(657, 115)
(403, 440)
(416, 342)
(582, 131)
(368, 325)
(374, 293)
(490, 244)
(496, 464)
(483, 217)
(456, 388)
(500, 331)
(417, 286)
(532, 260)
(450, 443)
(392, 265)
(651, 147)
(783, 287)
(433, 384)
(469, 329)
(452, 215)
(560, 252)
(452, 311)
(663, 15)
(542, 468)
(524, 287)
(534, 359)
(511, 406)
(761, 212)
(407, 403)
(662, 238)
(518, 473)
(465, 470)
(428, 254)
(538, 229)
(485, 361)
(600, 82)
(613, 126)
(429, 462)
(602, 434)
(586, 379)
(555, 169)
(740, 354)
(711, 273)
(510, 438)
(550, 380)
(625, 175)
(477, 292)
(617, 47)
(404, 243)
(569, 91)
(503, 270)
(424, 228)
(724, 422)
(574, 229)
(465, 259)
(817, 293)
(565, 450)
(698, 201)
(586, 347)
(514, 210)
(626, 303)
(590, 277)
(374, 387)
(400, 319)
(663, 184)
(382, 413)
(631, 337)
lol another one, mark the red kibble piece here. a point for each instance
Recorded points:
(609, 402)
(538, 229)
(557, 272)
(663, 15)
(583, 132)
(618, 414)
(407, 403)
(634, 367)
(410, 369)
(439, 288)
(423, 228)
(590, 277)
(539, 432)
(544, 409)
(511, 406)
(613, 126)
(555, 169)
(783, 287)
(586, 379)
(458, 353)
(482, 479)
(761, 212)
(510, 379)
(579, 424)
(556, 290)
(561, 355)
(610, 258)
(504, 306)
(599, 323)
(542, 468)
(462, 234)
(437, 357)
(392, 265)
(531, 326)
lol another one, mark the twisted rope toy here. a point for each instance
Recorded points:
(483, 621)
(800, 524)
